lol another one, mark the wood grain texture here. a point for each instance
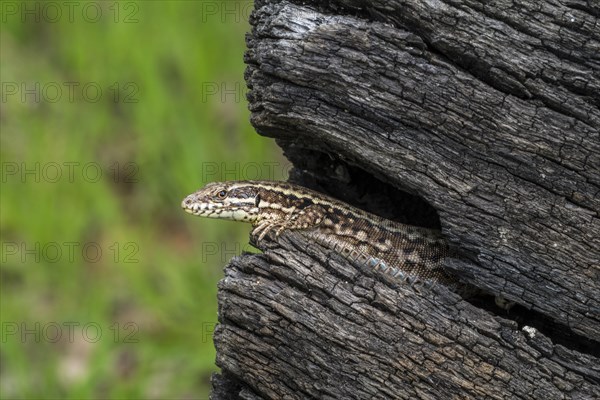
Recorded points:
(300, 322)
(515, 183)
(489, 112)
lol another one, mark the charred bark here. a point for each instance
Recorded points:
(480, 118)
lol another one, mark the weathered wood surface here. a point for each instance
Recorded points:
(489, 111)
(300, 322)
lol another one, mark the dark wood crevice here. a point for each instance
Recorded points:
(479, 119)
(324, 173)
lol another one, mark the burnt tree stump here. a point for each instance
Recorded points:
(480, 118)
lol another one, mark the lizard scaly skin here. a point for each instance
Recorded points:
(409, 253)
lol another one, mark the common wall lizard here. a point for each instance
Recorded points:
(409, 253)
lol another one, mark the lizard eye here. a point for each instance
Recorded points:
(222, 194)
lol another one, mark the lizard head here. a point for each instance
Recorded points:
(235, 200)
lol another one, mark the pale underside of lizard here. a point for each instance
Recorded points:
(408, 253)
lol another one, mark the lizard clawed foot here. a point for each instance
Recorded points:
(279, 230)
(261, 230)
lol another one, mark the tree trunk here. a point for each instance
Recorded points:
(481, 118)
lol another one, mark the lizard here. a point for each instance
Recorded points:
(408, 253)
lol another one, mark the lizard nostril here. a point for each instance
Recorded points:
(186, 203)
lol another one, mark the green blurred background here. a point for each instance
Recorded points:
(111, 113)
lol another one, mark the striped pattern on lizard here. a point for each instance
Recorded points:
(409, 253)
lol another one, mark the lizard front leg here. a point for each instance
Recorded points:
(305, 218)
(262, 228)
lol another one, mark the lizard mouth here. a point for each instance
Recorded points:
(191, 207)
(195, 208)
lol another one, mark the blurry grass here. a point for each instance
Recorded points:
(155, 279)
